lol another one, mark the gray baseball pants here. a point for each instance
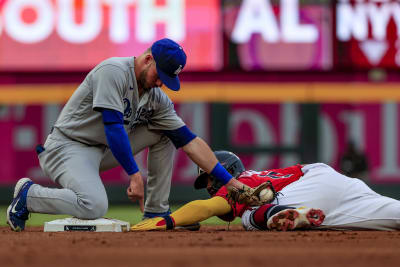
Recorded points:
(76, 167)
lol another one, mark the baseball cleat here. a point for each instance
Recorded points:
(300, 218)
(17, 212)
(189, 227)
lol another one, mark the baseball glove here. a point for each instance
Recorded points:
(251, 196)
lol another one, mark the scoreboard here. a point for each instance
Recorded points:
(368, 33)
(271, 35)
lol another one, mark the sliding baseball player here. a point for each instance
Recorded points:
(335, 201)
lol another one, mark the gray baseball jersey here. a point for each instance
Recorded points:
(112, 85)
(74, 158)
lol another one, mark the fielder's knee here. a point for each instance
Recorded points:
(93, 208)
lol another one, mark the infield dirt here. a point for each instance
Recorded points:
(211, 246)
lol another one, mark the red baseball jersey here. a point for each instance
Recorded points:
(278, 177)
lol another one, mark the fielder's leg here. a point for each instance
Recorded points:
(160, 163)
(160, 160)
(75, 167)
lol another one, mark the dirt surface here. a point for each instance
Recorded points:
(211, 246)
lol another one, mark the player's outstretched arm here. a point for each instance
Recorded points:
(201, 154)
(192, 212)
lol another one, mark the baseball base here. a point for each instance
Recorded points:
(75, 224)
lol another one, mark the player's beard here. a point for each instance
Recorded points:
(142, 82)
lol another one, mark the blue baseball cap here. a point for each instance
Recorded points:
(170, 61)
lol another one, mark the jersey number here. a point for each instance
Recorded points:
(276, 175)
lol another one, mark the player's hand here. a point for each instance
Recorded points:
(234, 183)
(135, 190)
(156, 223)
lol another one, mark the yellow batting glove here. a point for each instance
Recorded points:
(155, 224)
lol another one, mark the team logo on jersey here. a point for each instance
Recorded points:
(276, 175)
(142, 116)
(178, 70)
(127, 108)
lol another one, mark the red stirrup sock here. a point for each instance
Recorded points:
(261, 215)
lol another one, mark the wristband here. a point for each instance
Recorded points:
(221, 174)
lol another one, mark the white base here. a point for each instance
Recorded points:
(75, 224)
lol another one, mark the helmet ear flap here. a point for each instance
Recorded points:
(201, 181)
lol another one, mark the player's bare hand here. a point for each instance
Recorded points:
(234, 183)
(135, 190)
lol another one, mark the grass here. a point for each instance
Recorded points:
(127, 213)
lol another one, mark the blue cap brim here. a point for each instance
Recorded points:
(171, 82)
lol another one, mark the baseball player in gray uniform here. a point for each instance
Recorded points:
(116, 112)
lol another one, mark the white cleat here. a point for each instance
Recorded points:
(300, 218)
